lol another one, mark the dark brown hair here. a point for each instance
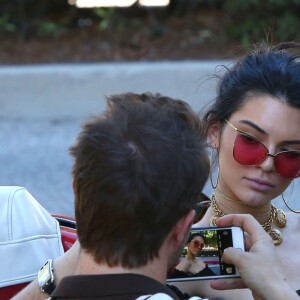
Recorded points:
(267, 70)
(139, 167)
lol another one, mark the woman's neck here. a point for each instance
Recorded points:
(190, 256)
(267, 215)
(229, 206)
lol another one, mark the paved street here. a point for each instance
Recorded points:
(34, 154)
(42, 108)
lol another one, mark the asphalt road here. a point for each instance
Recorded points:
(34, 154)
(42, 108)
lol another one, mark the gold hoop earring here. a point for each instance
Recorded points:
(294, 211)
(211, 170)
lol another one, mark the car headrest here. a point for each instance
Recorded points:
(29, 236)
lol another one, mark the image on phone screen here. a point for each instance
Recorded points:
(201, 257)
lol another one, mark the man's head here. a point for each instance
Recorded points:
(139, 168)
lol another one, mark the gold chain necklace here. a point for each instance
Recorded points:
(191, 258)
(218, 200)
(230, 199)
(276, 215)
(279, 216)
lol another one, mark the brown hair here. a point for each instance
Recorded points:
(139, 167)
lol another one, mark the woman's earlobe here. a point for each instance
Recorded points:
(213, 136)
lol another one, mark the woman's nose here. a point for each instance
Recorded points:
(268, 164)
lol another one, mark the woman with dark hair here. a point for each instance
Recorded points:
(192, 265)
(253, 129)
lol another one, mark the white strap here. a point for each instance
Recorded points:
(162, 296)
(158, 296)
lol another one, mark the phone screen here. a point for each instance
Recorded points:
(201, 257)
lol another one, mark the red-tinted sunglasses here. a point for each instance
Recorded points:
(249, 151)
(197, 244)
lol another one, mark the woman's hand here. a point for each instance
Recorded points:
(259, 267)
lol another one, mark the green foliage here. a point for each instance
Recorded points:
(6, 25)
(50, 18)
(47, 28)
(288, 26)
(251, 21)
(246, 21)
(28, 18)
(105, 16)
(211, 238)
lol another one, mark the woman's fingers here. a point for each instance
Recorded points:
(227, 284)
(253, 265)
(249, 225)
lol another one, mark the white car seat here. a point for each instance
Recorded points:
(29, 236)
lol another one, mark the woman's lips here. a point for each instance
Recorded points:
(259, 184)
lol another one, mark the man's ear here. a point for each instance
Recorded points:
(182, 227)
(214, 133)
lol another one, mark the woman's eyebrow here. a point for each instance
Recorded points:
(251, 124)
(293, 142)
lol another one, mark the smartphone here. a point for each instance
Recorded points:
(201, 258)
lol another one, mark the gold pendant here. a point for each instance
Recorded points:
(276, 236)
(280, 218)
(212, 221)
